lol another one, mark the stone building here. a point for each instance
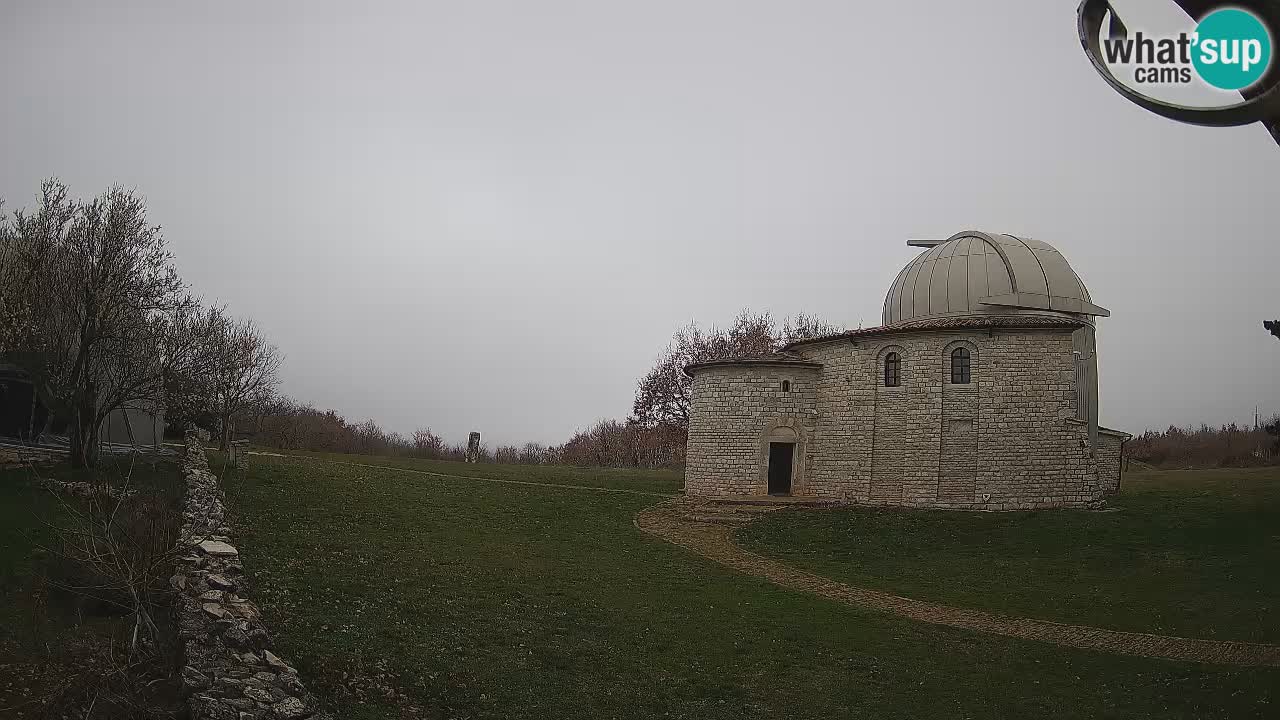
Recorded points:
(979, 391)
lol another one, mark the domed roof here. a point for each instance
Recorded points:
(979, 273)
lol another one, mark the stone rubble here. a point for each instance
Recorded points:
(231, 672)
(85, 489)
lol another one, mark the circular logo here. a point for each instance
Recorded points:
(1232, 49)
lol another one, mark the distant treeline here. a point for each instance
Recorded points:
(286, 424)
(1207, 447)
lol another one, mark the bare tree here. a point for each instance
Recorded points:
(100, 282)
(246, 373)
(28, 246)
(533, 454)
(11, 323)
(194, 343)
(427, 444)
(805, 327)
(662, 395)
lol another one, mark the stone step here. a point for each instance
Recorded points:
(720, 518)
(738, 508)
(753, 510)
(734, 516)
(772, 502)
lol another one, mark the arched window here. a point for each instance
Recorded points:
(786, 386)
(960, 366)
(892, 370)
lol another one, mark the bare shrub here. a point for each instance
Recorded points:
(613, 443)
(89, 677)
(1204, 447)
(120, 552)
(427, 444)
(113, 548)
(533, 454)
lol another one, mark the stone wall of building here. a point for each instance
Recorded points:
(1110, 459)
(1006, 440)
(904, 457)
(734, 411)
(231, 671)
(958, 452)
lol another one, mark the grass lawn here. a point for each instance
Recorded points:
(1190, 552)
(402, 595)
(655, 481)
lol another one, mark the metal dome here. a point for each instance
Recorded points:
(979, 273)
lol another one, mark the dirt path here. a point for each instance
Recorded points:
(673, 521)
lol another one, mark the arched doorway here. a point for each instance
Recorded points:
(781, 456)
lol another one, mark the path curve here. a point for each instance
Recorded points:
(671, 522)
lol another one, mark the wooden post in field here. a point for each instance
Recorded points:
(473, 447)
(239, 453)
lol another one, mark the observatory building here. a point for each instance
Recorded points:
(979, 391)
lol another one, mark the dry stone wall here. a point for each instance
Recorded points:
(231, 671)
(1008, 440)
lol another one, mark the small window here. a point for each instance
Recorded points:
(786, 386)
(892, 370)
(960, 366)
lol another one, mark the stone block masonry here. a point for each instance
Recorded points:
(231, 671)
(1006, 440)
(735, 412)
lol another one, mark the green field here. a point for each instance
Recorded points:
(1190, 553)
(663, 482)
(403, 594)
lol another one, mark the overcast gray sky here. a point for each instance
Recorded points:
(492, 215)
